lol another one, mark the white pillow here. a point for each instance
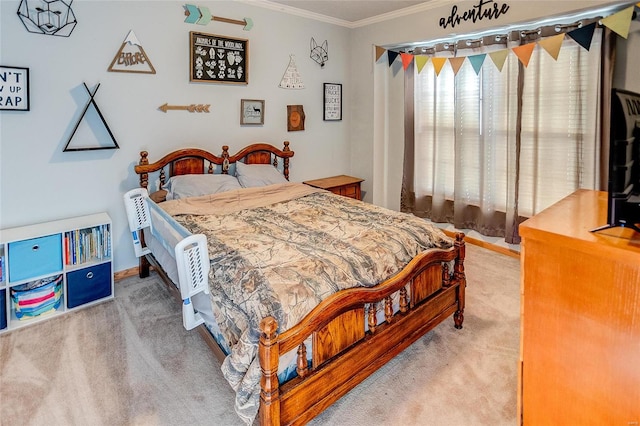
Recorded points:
(195, 185)
(252, 175)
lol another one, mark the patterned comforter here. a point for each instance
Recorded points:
(280, 250)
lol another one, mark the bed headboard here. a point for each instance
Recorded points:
(198, 161)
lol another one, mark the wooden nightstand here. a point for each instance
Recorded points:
(342, 185)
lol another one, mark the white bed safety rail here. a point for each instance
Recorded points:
(190, 251)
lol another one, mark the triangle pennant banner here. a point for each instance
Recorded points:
(379, 52)
(499, 57)
(524, 52)
(438, 63)
(552, 45)
(456, 63)
(477, 61)
(406, 59)
(392, 56)
(619, 22)
(421, 61)
(584, 35)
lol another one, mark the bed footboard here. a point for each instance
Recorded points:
(348, 342)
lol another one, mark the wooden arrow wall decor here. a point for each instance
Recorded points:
(191, 108)
(201, 15)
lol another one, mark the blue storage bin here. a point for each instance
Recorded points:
(3, 309)
(35, 257)
(88, 284)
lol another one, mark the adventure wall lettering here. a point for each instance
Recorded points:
(218, 59)
(485, 9)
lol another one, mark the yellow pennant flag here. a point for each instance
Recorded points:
(619, 22)
(498, 58)
(421, 61)
(438, 63)
(552, 45)
(524, 52)
(379, 52)
(456, 63)
(406, 59)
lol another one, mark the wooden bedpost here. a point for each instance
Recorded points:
(286, 161)
(460, 277)
(144, 177)
(225, 159)
(269, 358)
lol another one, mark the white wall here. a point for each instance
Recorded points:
(380, 161)
(39, 182)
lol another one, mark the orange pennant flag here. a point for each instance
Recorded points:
(499, 57)
(456, 63)
(421, 61)
(552, 45)
(619, 22)
(379, 52)
(438, 63)
(524, 52)
(406, 59)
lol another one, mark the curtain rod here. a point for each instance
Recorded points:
(546, 27)
(502, 37)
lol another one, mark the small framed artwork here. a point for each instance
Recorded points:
(332, 101)
(14, 88)
(251, 111)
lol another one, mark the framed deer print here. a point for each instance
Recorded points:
(251, 111)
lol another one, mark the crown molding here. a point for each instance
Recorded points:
(432, 4)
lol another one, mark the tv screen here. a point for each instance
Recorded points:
(624, 161)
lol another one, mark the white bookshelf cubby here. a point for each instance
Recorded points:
(51, 268)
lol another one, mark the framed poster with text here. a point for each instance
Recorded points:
(332, 101)
(14, 88)
(218, 59)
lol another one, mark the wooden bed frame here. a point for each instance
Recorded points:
(343, 353)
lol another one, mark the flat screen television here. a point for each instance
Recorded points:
(624, 162)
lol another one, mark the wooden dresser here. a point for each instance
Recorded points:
(342, 185)
(580, 317)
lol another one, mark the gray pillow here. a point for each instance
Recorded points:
(252, 175)
(196, 185)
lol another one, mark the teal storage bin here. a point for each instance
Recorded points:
(35, 257)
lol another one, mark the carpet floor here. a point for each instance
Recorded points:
(130, 362)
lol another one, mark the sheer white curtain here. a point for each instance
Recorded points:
(494, 147)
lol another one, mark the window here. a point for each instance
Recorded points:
(494, 144)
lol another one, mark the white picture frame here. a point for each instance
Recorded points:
(14, 88)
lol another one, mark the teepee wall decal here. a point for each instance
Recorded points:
(291, 78)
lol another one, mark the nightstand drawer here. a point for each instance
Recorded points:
(88, 284)
(35, 257)
(349, 190)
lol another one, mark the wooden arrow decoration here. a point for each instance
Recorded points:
(202, 16)
(190, 108)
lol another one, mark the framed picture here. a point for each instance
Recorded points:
(14, 88)
(332, 101)
(218, 59)
(251, 111)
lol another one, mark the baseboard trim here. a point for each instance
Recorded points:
(487, 245)
(121, 275)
